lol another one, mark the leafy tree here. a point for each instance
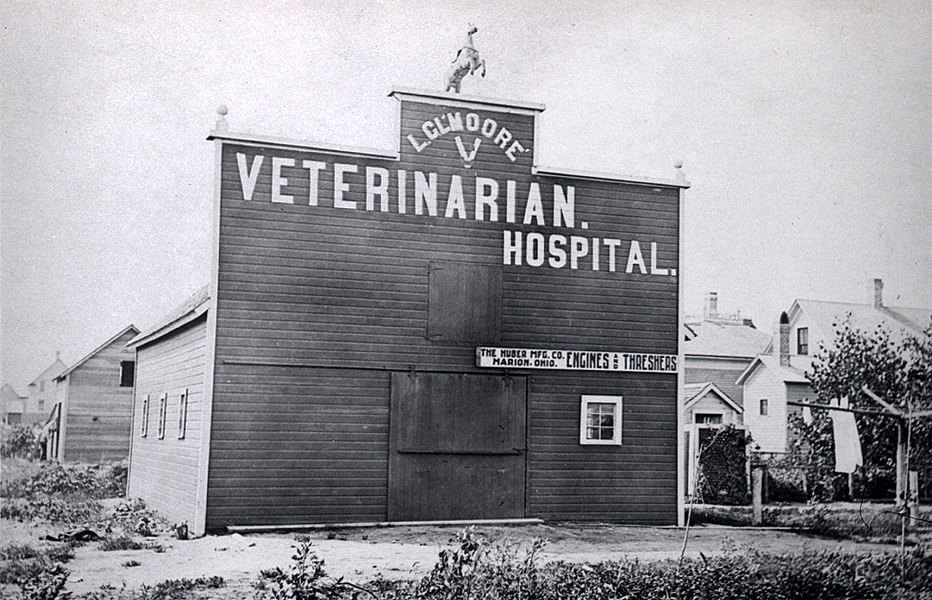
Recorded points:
(900, 372)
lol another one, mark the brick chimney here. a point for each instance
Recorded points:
(877, 293)
(711, 306)
(784, 346)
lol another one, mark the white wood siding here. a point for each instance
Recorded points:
(163, 472)
(768, 432)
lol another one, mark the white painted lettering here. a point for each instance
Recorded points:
(425, 192)
(535, 249)
(486, 195)
(557, 258)
(510, 192)
(456, 203)
(402, 192)
(417, 147)
(429, 130)
(248, 177)
(504, 136)
(579, 247)
(313, 167)
(635, 258)
(654, 270)
(278, 181)
(514, 147)
(612, 243)
(380, 190)
(534, 209)
(512, 249)
(472, 122)
(456, 121)
(340, 186)
(564, 206)
(595, 254)
(488, 127)
(440, 126)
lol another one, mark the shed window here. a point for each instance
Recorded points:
(600, 420)
(802, 340)
(127, 373)
(182, 414)
(764, 408)
(464, 303)
(144, 421)
(163, 409)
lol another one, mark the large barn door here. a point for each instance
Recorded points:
(458, 446)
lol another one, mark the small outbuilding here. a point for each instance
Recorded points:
(92, 415)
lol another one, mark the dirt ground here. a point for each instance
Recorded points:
(399, 552)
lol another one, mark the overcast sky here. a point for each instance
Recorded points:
(805, 128)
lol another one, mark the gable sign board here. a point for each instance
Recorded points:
(463, 186)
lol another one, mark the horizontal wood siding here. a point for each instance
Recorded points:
(317, 304)
(99, 411)
(163, 472)
(631, 483)
(295, 445)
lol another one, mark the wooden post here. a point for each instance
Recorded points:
(757, 494)
(913, 496)
(900, 463)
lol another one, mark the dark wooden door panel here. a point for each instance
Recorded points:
(457, 447)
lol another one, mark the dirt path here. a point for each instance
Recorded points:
(359, 555)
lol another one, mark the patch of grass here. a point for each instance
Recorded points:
(879, 523)
(50, 509)
(171, 589)
(131, 563)
(125, 542)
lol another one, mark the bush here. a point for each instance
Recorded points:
(20, 441)
(73, 480)
(58, 511)
(723, 465)
(476, 570)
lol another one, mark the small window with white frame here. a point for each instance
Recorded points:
(182, 414)
(163, 409)
(144, 421)
(600, 420)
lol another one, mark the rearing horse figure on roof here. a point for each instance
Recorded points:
(467, 62)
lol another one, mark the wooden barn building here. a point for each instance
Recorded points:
(93, 411)
(446, 331)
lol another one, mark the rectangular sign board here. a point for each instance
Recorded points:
(575, 360)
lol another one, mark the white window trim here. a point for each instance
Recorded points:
(144, 429)
(583, 420)
(182, 414)
(163, 414)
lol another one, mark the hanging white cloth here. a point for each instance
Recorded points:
(848, 455)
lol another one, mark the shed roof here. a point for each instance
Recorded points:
(195, 306)
(130, 327)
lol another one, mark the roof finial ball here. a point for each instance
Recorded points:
(222, 118)
(678, 165)
(467, 62)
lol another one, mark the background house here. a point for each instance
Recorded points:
(11, 411)
(92, 415)
(719, 347)
(779, 374)
(40, 393)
